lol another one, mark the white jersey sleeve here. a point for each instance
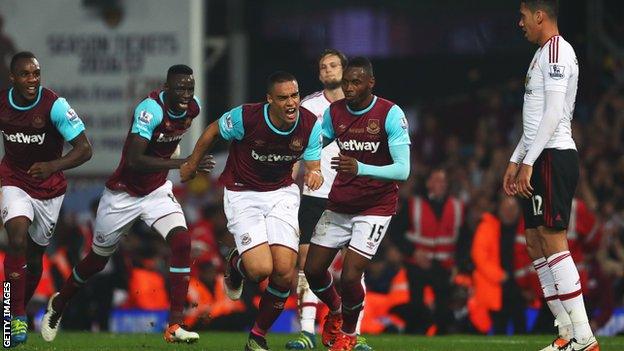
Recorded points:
(317, 103)
(554, 68)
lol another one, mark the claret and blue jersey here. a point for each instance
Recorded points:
(35, 133)
(261, 156)
(376, 136)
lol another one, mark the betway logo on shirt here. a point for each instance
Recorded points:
(354, 145)
(162, 138)
(272, 157)
(22, 138)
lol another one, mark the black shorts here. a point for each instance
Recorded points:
(554, 179)
(310, 210)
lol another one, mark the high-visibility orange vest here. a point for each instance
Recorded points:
(436, 236)
(206, 305)
(488, 273)
(146, 290)
(377, 305)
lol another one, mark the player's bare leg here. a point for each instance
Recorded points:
(284, 260)
(15, 271)
(179, 241)
(547, 282)
(255, 265)
(568, 285)
(306, 303)
(321, 282)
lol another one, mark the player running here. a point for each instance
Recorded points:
(372, 135)
(35, 123)
(139, 189)
(260, 199)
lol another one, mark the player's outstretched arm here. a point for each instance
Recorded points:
(139, 161)
(398, 170)
(80, 153)
(193, 163)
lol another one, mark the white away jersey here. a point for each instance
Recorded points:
(554, 68)
(317, 103)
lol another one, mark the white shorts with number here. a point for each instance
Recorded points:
(118, 210)
(43, 214)
(258, 217)
(361, 233)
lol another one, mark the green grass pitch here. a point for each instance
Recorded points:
(218, 341)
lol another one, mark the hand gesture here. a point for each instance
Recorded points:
(509, 179)
(523, 181)
(342, 163)
(313, 179)
(206, 164)
(42, 170)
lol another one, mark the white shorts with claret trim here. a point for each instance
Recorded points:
(118, 210)
(43, 214)
(361, 233)
(258, 217)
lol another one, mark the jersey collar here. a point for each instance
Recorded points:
(274, 128)
(25, 108)
(361, 112)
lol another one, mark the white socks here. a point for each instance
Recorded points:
(358, 326)
(307, 304)
(568, 284)
(562, 319)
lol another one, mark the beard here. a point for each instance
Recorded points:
(332, 84)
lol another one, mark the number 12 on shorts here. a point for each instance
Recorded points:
(537, 205)
(377, 230)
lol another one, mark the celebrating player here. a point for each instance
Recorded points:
(372, 135)
(260, 199)
(546, 146)
(35, 124)
(139, 189)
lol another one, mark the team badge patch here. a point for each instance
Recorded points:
(38, 121)
(373, 126)
(145, 117)
(296, 144)
(246, 239)
(259, 143)
(556, 72)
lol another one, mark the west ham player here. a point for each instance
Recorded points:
(372, 134)
(544, 170)
(313, 203)
(35, 124)
(139, 189)
(260, 199)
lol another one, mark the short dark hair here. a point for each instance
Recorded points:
(279, 77)
(551, 7)
(20, 55)
(343, 58)
(363, 63)
(179, 69)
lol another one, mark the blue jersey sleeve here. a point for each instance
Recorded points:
(328, 128)
(398, 170)
(147, 116)
(231, 124)
(66, 120)
(396, 127)
(197, 101)
(315, 144)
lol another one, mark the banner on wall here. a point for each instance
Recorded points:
(104, 61)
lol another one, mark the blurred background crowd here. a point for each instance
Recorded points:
(461, 267)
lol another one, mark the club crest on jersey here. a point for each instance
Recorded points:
(556, 72)
(342, 128)
(259, 143)
(373, 126)
(246, 239)
(296, 144)
(38, 121)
